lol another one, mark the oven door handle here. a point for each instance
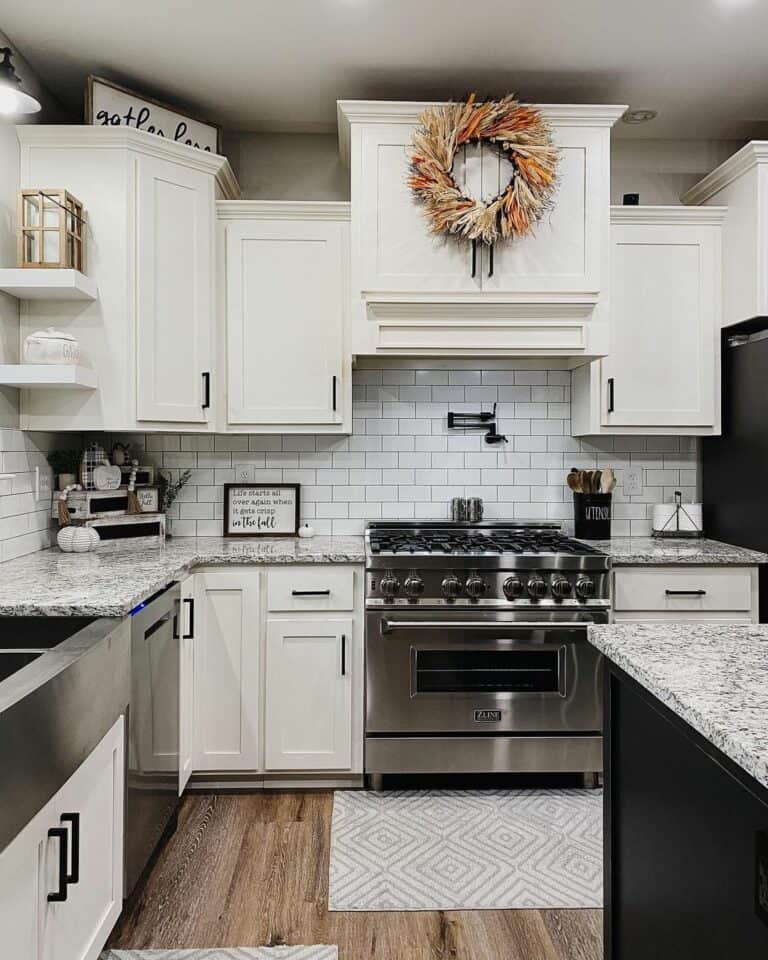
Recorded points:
(387, 625)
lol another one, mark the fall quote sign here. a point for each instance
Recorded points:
(261, 510)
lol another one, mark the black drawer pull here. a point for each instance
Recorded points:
(490, 260)
(610, 395)
(73, 876)
(311, 593)
(206, 390)
(685, 593)
(191, 634)
(60, 834)
(343, 654)
(334, 393)
(474, 258)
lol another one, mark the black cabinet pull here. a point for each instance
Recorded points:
(610, 394)
(474, 258)
(191, 634)
(310, 593)
(685, 593)
(490, 260)
(60, 834)
(343, 654)
(334, 393)
(206, 390)
(73, 876)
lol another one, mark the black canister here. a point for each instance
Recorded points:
(592, 515)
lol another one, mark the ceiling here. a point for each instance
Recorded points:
(281, 66)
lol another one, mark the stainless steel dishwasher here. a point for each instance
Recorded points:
(153, 730)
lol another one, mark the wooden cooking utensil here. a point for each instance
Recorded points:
(596, 477)
(573, 480)
(608, 481)
(586, 482)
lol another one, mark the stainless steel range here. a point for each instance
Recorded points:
(477, 658)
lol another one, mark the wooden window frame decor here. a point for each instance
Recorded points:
(164, 120)
(259, 511)
(34, 224)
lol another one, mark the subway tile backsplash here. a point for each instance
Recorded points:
(401, 461)
(25, 520)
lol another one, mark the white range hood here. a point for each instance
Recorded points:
(417, 295)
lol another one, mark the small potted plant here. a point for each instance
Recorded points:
(65, 465)
(169, 490)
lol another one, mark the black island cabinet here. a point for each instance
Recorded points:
(686, 838)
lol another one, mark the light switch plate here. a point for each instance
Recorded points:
(633, 481)
(245, 473)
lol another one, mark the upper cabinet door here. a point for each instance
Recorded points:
(665, 309)
(285, 303)
(564, 252)
(174, 291)
(390, 233)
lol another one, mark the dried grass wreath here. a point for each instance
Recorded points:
(523, 136)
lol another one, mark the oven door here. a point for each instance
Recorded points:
(438, 674)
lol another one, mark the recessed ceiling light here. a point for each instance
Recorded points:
(639, 116)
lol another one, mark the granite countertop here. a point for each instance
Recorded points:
(111, 582)
(713, 676)
(625, 551)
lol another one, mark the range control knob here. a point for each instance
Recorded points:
(475, 587)
(389, 585)
(585, 588)
(537, 588)
(451, 587)
(513, 588)
(414, 586)
(561, 588)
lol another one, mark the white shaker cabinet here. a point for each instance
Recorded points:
(174, 290)
(226, 670)
(86, 817)
(662, 374)
(150, 333)
(741, 185)
(284, 292)
(308, 694)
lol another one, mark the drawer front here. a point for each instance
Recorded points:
(312, 588)
(683, 589)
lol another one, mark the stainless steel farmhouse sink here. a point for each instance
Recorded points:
(63, 683)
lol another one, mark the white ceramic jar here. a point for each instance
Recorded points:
(51, 346)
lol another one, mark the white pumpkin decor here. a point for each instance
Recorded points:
(107, 477)
(74, 539)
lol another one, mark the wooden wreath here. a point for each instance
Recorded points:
(523, 136)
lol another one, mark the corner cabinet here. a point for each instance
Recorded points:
(85, 821)
(150, 333)
(662, 374)
(414, 293)
(283, 290)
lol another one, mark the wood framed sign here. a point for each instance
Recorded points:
(261, 509)
(108, 104)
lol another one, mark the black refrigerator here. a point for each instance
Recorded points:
(735, 465)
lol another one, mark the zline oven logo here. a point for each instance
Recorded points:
(487, 716)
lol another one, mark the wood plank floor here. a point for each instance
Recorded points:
(252, 869)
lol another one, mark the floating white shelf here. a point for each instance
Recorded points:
(33, 284)
(49, 375)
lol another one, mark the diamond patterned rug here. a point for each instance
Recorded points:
(228, 953)
(466, 850)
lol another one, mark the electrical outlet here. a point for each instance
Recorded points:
(245, 473)
(633, 481)
(42, 484)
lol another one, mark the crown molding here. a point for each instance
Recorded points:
(668, 215)
(403, 111)
(751, 155)
(128, 138)
(282, 210)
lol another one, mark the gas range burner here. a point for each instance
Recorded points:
(471, 540)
